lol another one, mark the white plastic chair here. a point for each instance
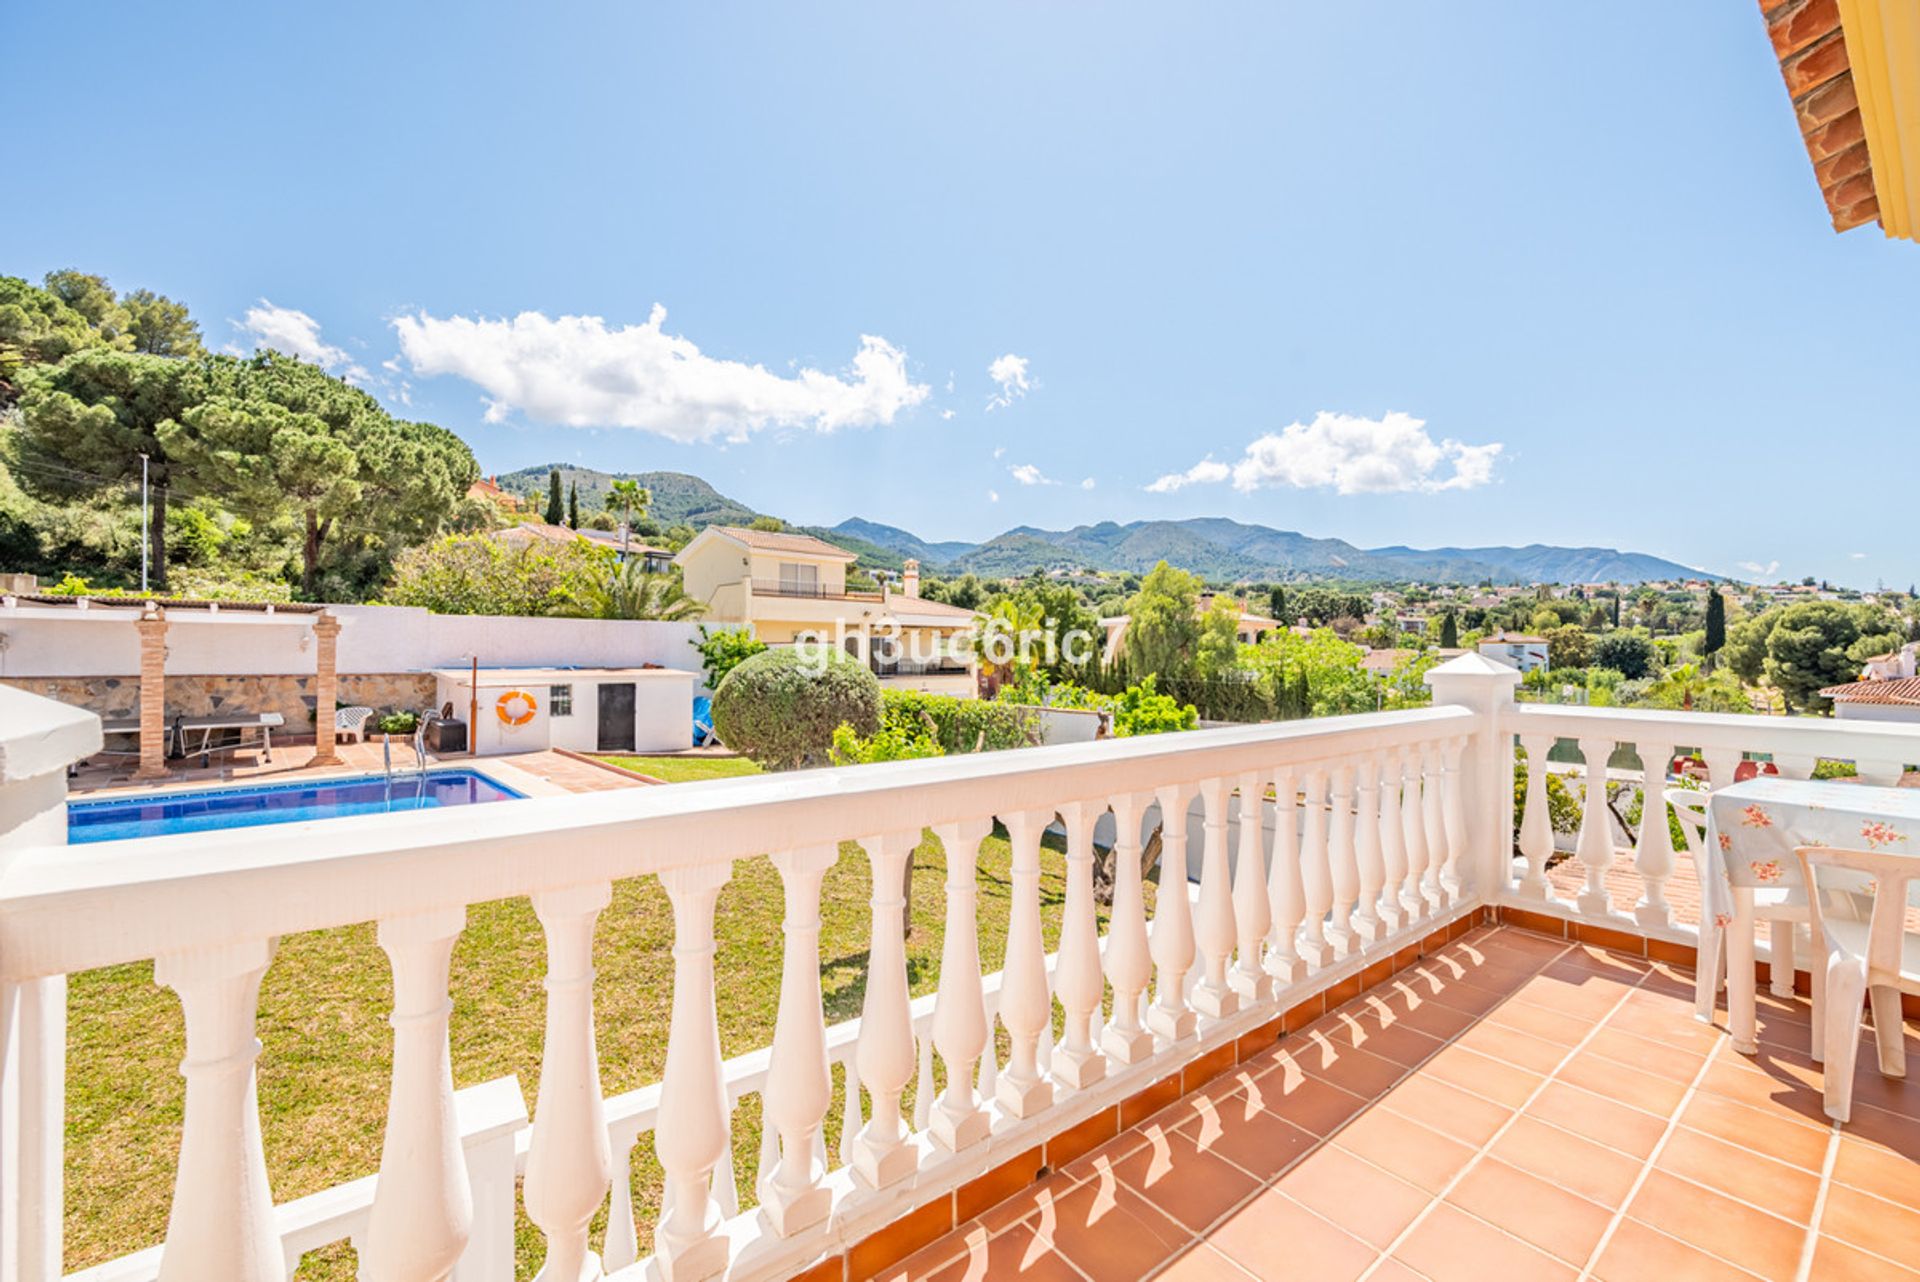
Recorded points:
(1877, 959)
(351, 723)
(1783, 909)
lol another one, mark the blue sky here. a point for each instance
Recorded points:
(1310, 261)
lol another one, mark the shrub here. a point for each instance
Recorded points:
(782, 707)
(397, 723)
(956, 725)
(724, 650)
(1142, 709)
(892, 743)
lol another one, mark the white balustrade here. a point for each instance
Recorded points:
(1595, 845)
(1433, 819)
(1172, 942)
(1026, 1004)
(1129, 963)
(1536, 820)
(1286, 894)
(1413, 834)
(882, 1153)
(960, 1026)
(691, 1138)
(1393, 845)
(422, 1205)
(1077, 1060)
(799, 1086)
(1252, 916)
(1316, 878)
(1342, 862)
(1213, 925)
(1453, 819)
(1653, 850)
(1367, 923)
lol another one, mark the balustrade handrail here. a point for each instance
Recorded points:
(1811, 737)
(64, 910)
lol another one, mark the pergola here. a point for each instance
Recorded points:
(154, 618)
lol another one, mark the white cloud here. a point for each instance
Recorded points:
(1028, 474)
(1087, 484)
(999, 451)
(295, 333)
(1010, 372)
(1205, 472)
(1758, 571)
(946, 414)
(1856, 556)
(993, 496)
(577, 372)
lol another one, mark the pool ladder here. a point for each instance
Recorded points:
(419, 751)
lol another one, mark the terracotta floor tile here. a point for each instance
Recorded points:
(1200, 1263)
(1017, 1253)
(1035, 1202)
(1662, 1059)
(1781, 1092)
(1479, 1075)
(1190, 1186)
(1357, 1072)
(1436, 986)
(1449, 1244)
(1622, 1083)
(1432, 1018)
(1837, 1262)
(1894, 1094)
(1889, 1130)
(1871, 1223)
(1541, 1214)
(1356, 1196)
(1511, 1046)
(1720, 1226)
(1636, 1253)
(1560, 1157)
(1589, 998)
(1786, 1136)
(1787, 1191)
(1309, 1102)
(1398, 1042)
(1278, 1240)
(1447, 1109)
(1084, 1166)
(1554, 1026)
(1878, 1169)
(1675, 1028)
(1261, 1143)
(1111, 1231)
(1418, 1154)
(1597, 1118)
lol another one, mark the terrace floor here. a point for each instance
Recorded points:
(1513, 1107)
(565, 772)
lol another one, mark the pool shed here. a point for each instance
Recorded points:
(582, 709)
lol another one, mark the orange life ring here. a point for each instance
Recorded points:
(506, 714)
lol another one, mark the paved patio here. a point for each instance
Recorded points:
(289, 764)
(1514, 1108)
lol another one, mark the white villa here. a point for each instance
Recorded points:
(1526, 653)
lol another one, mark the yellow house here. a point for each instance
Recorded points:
(793, 587)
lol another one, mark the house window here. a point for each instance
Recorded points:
(559, 701)
(801, 580)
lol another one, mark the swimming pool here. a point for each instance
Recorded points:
(158, 814)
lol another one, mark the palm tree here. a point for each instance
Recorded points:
(1000, 639)
(628, 497)
(630, 592)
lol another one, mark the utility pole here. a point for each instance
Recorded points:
(146, 531)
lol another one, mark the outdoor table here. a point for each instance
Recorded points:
(1752, 830)
(208, 726)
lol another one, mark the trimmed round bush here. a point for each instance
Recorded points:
(782, 707)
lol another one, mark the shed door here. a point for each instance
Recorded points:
(616, 718)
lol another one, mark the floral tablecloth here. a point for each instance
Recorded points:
(1754, 826)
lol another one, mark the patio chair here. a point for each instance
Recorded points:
(351, 723)
(1783, 910)
(1877, 959)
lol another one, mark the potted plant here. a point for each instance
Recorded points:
(394, 727)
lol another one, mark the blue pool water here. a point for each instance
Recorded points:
(159, 814)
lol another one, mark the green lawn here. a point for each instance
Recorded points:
(325, 1063)
(687, 769)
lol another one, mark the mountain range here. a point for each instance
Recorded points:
(1215, 547)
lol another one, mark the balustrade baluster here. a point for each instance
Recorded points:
(1316, 878)
(1252, 916)
(799, 1087)
(221, 1225)
(726, 1188)
(923, 1079)
(1214, 931)
(1413, 832)
(622, 1244)
(1393, 844)
(1026, 1006)
(885, 1052)
(1794, 765)
(1077, 1061)
(1595, 846)
(1340, 860)
(1129, 965)
(569, 1163)
(852, 1116)
(691, 1136)
(1286, 897)
(1536, 821)
(1172, 943)
(422, 1202)
(1453, 819)
(1653, 851)
(769, 1156)
(1722, 763)
(960, 1028)
(1366, 851)
(1433, 816)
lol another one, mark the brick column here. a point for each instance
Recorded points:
(326, 635)
(153, 693)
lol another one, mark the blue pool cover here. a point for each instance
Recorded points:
(158, 814)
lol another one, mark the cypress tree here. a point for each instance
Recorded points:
(1716, 625)
(573, 505)
(1449, 632)
(1616, 609)
(1277, 606)
(556, 511)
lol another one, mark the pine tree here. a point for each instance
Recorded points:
(1449, 632)
(1716, 625)
(573, 506)
(555, 510)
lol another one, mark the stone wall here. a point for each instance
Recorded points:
(290, 696)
